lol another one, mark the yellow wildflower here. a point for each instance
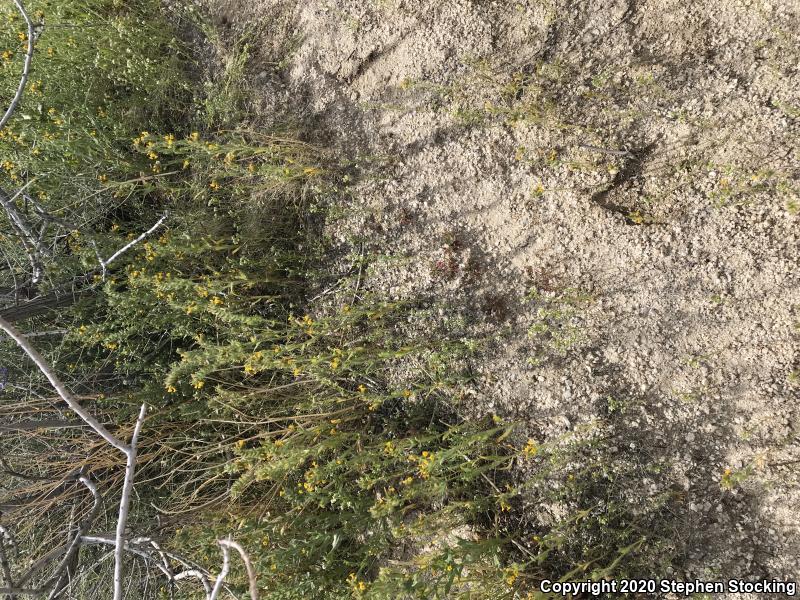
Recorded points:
(530, 448)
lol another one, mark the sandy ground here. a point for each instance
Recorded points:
(609, 190)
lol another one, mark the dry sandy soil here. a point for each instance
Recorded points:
(607, 190)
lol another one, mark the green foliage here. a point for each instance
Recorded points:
(102, 70)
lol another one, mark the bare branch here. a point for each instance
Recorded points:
(251, 572)
(124, 504)
(30, 242)
(190, 570)
(104, 263)
(26, 68)
(45, 368)
(226, 567)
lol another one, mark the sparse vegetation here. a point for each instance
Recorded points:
(325, 429)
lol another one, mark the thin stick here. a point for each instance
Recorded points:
(124, 504)
(226, 566)
(45, 368)
(26, 68)
(104, 263)
(251, 572)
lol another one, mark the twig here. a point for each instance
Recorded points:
(248, 565)
(191, 570)
(104, 263)
(45, 368)
(30, 242)
(226, 566)
(128, 450)
(26, 68)
(125, 501)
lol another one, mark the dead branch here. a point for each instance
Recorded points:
(104, 263)
(30, 242)
(47, 371)
(226, 566)
(128, 450)
(124, 503)
(251, 573)
(26, 67)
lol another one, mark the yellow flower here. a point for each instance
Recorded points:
(195, 136)
(152, 155)
(216, 300)
(406, 393)
(511, 575)
(7, 54)
(186, 164)
(335, 363)
(171, 389)
(198, 385)
(408, 480)
(362, 388)
(213, 185)
(530, 449)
